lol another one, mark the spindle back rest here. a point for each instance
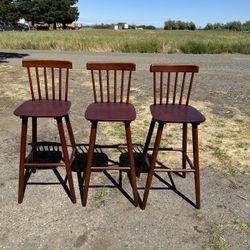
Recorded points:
(173, 83)
(111, 81)
(48, 79)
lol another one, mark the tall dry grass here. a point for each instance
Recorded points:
(138, 41)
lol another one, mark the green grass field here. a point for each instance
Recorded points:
(142, 41)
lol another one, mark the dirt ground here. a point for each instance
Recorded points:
(48, 220)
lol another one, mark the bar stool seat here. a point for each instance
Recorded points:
(177, 113)
(120, 112)
(43, 108)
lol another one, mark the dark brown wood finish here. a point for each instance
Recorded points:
(66, 159)
(49, 105)
(173, 73)
(118, 75)
(184, 148)
(43, 108)
(42, 72)
(22, 159)
(110, 107)
(34, 141)
(110, 112)
(176, 81)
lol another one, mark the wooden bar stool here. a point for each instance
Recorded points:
(114, 108)
(49, 91)
(170, 79)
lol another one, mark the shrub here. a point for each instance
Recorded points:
(145, 46)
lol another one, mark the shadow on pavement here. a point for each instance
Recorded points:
(8, 55)
(101, 159)
(51, 152)
(47, 152)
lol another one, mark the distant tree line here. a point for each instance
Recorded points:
(145, 27)
(235, 26)
(35, 11)
(179, 25)
(101, 26)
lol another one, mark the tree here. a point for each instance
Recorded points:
(49, 11)
(103, 26)
(29, 10)
(246, 26)
(60, 11)
(218, 26)
(169, 25)
(209, 26)
(192, 26)
(8, 11)
(150, 27)
(179, 25)
(236, 26)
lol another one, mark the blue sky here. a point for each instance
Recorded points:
(155, 12)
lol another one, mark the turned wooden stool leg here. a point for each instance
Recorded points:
(22, 159)
(184, 148)
(34, 141)
(196, 164)
(131, 163)
(145, 150)
(72, 140)
(152, 164)
(70, 131)
(89, 162)
(66, 159)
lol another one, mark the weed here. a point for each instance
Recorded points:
(218, 244)
(223, 158)
(244, 145)
(100, 197)
(220, 135)
(147, 46)
(231, 169)
(218, 153)
(239, 121)
(242, 227)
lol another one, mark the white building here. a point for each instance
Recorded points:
(121, 26)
